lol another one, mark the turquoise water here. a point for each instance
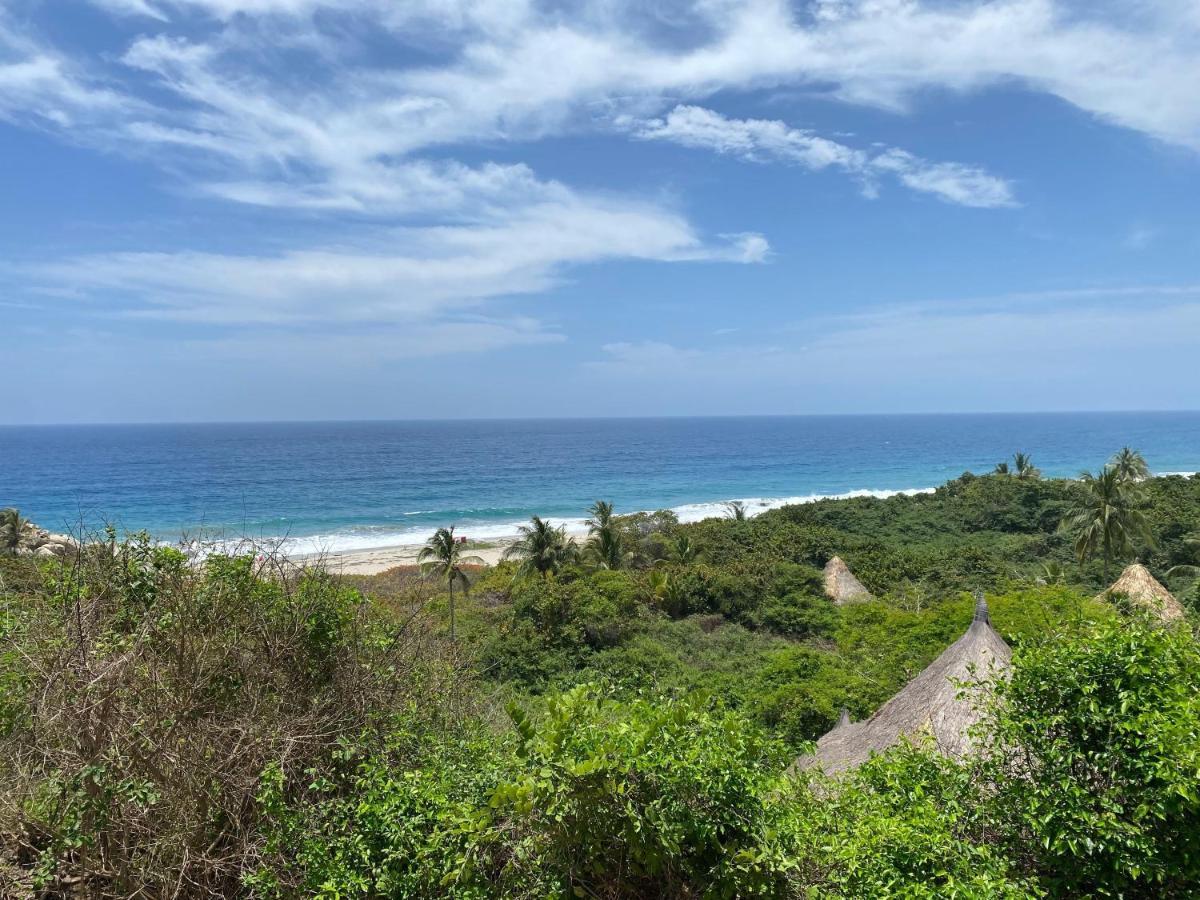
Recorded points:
(355, 485)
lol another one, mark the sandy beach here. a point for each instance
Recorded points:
(379, 559)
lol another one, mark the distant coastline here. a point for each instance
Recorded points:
(348, 489)
(490, 547)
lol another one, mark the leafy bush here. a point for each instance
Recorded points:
(393, 820)
(633, 799)
(1098, 756)
(908, 824)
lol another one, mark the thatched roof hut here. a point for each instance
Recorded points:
(841, 586)
(930, 705)
(1143, 589)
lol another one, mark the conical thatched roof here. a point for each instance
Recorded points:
(929, 705)
(840, 584)
(1143, 589)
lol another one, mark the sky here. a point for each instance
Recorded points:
(220, 210)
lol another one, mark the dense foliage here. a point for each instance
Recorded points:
(612, 720)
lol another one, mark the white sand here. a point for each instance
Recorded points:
(380, 559)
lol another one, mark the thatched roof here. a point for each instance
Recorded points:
(1142, 589)
(840, 584)
(930, 705)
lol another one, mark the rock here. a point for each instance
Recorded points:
(841, 586)
(37, 541)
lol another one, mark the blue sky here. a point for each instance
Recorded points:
(300, 209)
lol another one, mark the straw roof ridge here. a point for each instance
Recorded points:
(1144, 590)
(841, 586)
(932, 704)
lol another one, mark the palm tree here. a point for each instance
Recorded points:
(11, 526)
(1024, 466)
(684, 551)
(606, 543)
(1130, 464)
(442, 557)
(1107, 519)
(542, 548)
(736, 510)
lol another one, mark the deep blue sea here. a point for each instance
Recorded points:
(342, 485)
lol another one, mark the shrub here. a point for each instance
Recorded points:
(143, 698)
(391, 820)
(1098, 759)
(907, 824)
(633, 799)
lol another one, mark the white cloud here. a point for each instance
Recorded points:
(1136, 73)
(764, 140)
(406, 274)
(279, 103)
(756, 140)
(347, 138)
(43, 86)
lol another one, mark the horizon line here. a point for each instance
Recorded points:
(585, 418)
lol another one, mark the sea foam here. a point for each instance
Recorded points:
(362, 539)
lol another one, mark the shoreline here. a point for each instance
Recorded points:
(373, 560)
(403, 550)
(376, 560)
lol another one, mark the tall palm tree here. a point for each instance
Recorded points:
(1130, 464)
(542, 548)
(605, 544)
(1024, 467)
(442, 557)
(736, 510)
(1108, 518)
(11, 526)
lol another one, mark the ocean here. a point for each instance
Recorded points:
(357, 485)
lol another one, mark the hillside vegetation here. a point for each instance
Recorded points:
(613, 720)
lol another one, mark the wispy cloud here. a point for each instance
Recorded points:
(768, 140)
(208, 91)
(515, 71)
(405, 274)
(1056, 353)
(40, 85)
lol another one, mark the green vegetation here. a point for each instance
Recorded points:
(542, 549)
(442, 556)
(612, 722)
(1109, 519)
(1022, 467)
(11, 525)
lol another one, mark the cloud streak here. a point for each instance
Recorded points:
(403, 275)
(766, 140)
(407, 139)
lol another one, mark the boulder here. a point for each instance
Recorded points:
(841, 586)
